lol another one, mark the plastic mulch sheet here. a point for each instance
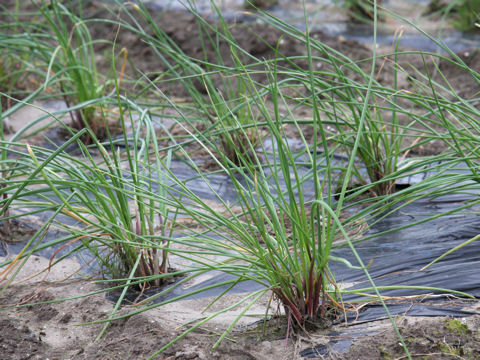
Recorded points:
(394, 259)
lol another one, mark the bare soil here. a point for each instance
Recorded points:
(426, 338)
(53, 330)
(49, 329)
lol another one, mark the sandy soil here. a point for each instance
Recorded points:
(49, 329)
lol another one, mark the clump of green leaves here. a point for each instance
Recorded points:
(462, 14)
(360, 10)
(73, 63)
(224, 95)
(12, 80)
(119, 221)
(53, 42)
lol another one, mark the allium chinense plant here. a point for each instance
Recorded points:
(69, 52)
(360, 10)
(110, 198)
(228, 110)
(297, 229)
(462, 14)
(366, 123)
(282, 235)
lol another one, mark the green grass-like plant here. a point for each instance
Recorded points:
(106, 197)
(361, 10)
(228, 110)
(462, 14)
(293, 207)
(55, 45)
(73, 62)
